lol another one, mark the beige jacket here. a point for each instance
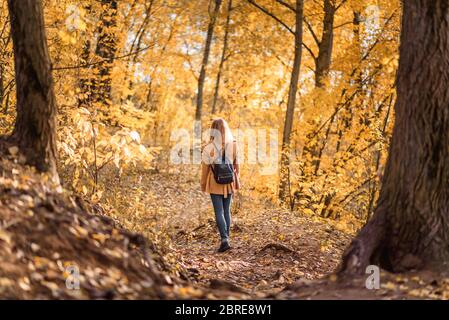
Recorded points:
(208, 183)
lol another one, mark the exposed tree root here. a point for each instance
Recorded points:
(278, 246)
(225, 285)
(366, 249)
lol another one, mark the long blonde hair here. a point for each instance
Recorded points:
(220, 134)
(220, 138)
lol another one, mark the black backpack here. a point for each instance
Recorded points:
(223, 170)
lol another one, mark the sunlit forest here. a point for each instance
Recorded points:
(339, 109)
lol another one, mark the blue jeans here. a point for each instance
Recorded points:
(222, 208)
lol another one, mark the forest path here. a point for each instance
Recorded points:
(271, 247)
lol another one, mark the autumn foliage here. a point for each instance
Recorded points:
(149, 54)
(316, 77)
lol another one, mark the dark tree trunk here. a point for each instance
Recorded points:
(284, 192)
(35, 127)
(86, 82)
(313, 149)
(358, 51)
(356, 21)
(105, 50)
(136, 46)
(346, 117)
(409, 228)
(2, 83)
(323, 61)
(207, 46)
(223, 58)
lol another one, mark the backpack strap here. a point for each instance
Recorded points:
(223, 157)
(212, 164)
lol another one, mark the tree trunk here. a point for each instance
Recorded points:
(86, 79)
(284, 182)
(35, 127)
(136, 46)
(313, 148)
(105, 50)
(2, 83)
(409, 228)
(207, 46)
(323, 61)
(346, 116)
(357, 44)
(223, 58)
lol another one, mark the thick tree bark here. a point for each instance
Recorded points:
(223, 58)
(409, 228)
(35, 127)
(323, 60)
(207, 46)
(284, 191)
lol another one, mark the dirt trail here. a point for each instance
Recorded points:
(271, 247)
(43, 231)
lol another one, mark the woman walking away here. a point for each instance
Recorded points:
(220, 176)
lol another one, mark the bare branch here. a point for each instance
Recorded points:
(309, 26)
(287, 5)
(87, 65)
(309, 50)
(340, 5)
(343, 24)
(267, 12)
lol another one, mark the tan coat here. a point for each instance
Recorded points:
(208, 183)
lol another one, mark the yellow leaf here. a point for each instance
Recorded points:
(5, 236)
(13, 150)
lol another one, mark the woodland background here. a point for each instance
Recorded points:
(129, 73)
(126, 75)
